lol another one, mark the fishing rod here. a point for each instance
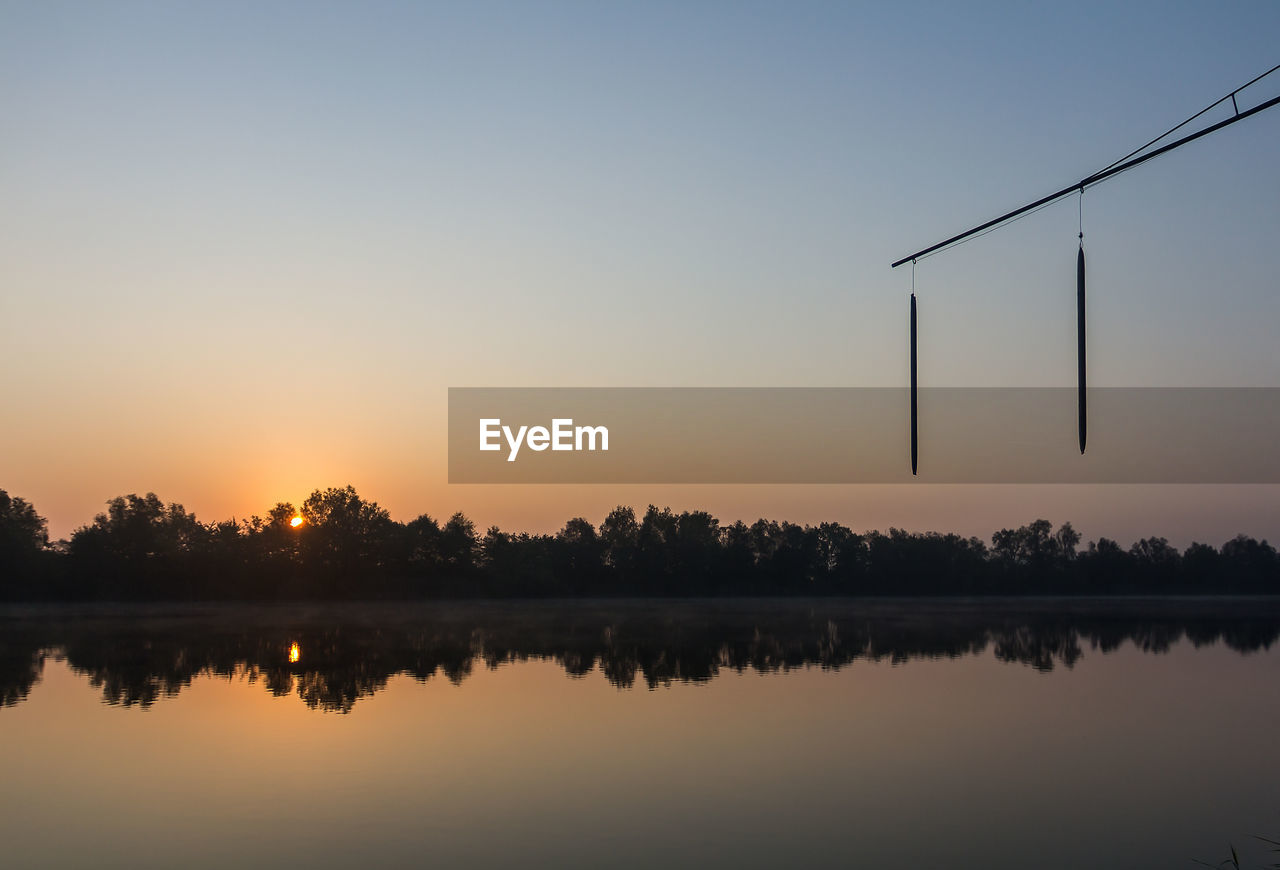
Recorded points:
(1111, 171)
(1129, 161)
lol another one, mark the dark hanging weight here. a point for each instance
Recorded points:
(1080, 398)
(914, 441)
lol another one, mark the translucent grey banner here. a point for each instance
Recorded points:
(861, 435)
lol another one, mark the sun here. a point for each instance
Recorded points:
(295, 522)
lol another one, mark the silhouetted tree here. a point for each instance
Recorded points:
(620, 538)
(1200, 569)
(421, 553)
(1155, 565)
(738, 563)
(458, 550)
(1253, 565)
(1105, 567)
(1035, 559)
(140, 548)
(578, 563)
(24, 542)
(344, 539)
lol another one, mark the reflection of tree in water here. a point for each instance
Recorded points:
(138, 656)
(20, 670)
(1040, 649)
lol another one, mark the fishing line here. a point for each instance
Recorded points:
(1231, 96)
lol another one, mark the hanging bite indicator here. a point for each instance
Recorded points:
(914, 437)
(1081, 404)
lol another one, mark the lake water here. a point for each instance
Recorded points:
(1046, 734)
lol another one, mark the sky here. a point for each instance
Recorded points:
(246, 248)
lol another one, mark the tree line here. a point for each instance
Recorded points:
(346, 547)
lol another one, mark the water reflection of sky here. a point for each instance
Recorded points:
(1152, 748)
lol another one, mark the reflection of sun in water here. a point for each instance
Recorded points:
(295, 522)
(294, 653)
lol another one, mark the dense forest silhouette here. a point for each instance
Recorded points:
(136, 655)
(345, 547)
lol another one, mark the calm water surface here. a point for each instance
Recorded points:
(1135, 734)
